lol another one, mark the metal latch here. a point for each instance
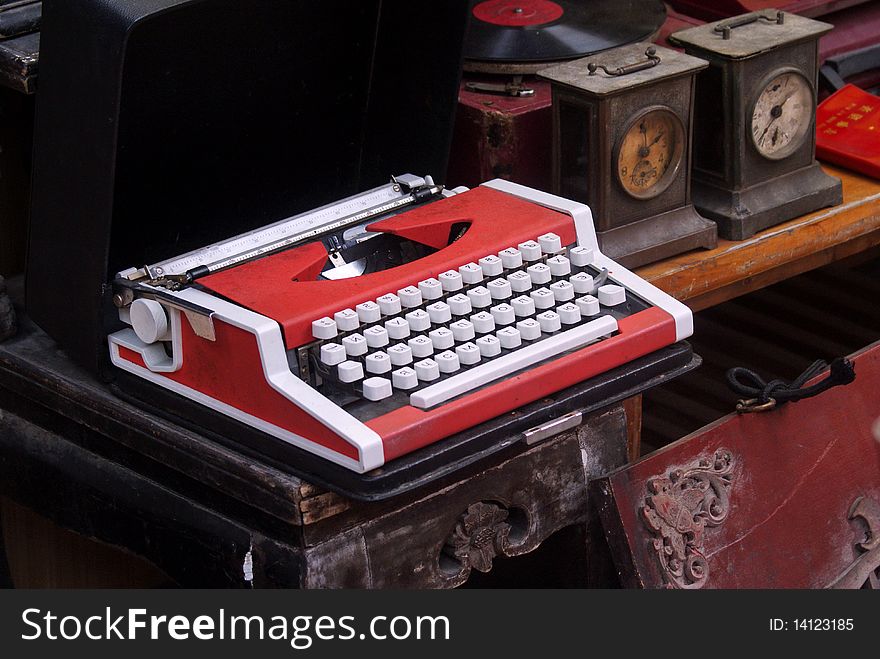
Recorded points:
(552, 428)
(514, 88)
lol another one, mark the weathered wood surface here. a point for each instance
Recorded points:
(7, 313)
(195, 545)
(704, 278)
(505, 511)
(43, 555)
(783, 499)
(37, 381)
(207, 515)
(19, 62)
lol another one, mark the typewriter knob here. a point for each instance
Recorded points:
(149, 320)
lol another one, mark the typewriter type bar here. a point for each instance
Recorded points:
(393, 319)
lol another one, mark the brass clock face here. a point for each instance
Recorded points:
(650, 153)
(782, 115)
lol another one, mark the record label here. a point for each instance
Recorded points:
(518, 13)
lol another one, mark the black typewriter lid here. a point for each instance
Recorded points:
(164, 125)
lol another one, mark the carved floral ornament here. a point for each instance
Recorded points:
(864, 571)
(481, 533)
(678, 508)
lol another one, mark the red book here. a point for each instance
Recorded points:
(848, 130)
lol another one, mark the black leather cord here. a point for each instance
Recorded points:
(761, 395)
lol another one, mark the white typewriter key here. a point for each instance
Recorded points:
(421, 346)
(368, 312)
(509, 338)
(347, 320)
(389, 304)
(447, 361)
(468, 353)
(489, 346)
(480, 297)
(530, 329)
(611, 295)
(450, 281)
(580, 256)
(376, 336)
(462, 330)
(441, 338)
(332, 354)
(549, 321)
(400, 354)
(588, 305)
(324, 328)
(397, 328)
(543, 298)
(410, 296)
(484, 322)
(439, 312)
(418, 320)
(376, 388)
(582, 282)
(503, 314)
(377, 362)
(350, 371)
(427, 370)
(471, 273)
(499, 289)
(523, 306)
(519, 281)
(491, 265)
(404, 378)
(530, 250)
(510, 258)
(550, 243)
(539, 273)
(559, 266)
(563, 291)
(355, 345)
(569, 313)
(460, 304)
(431, 289)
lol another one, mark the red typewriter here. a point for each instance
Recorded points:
(392, 338)
(367, 330)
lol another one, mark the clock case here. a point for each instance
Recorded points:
(733, 184)
(591, 114)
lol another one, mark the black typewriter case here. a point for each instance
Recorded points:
(165, 125)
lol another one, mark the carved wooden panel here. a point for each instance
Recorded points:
(782, 499)
(444, 536)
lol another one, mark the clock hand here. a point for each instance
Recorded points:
(786, 99)
(656, 139)
(761, 139)
(775, 113)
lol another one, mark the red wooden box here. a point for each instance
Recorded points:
(788, 498)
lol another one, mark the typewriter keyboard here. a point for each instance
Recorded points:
(466, 328)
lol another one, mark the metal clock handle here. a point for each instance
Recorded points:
(725, 28)
(650, 53)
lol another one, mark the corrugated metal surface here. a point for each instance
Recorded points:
(777, 331)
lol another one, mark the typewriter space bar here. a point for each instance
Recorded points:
(512, 362)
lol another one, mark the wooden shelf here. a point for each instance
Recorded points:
(705, 278)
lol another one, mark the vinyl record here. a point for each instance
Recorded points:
(527, 35)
